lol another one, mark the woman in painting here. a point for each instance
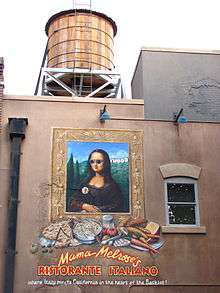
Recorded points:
(99, 192)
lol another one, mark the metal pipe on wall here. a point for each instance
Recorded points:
(17, 127)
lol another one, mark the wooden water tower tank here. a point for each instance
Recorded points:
(81, 39)
(80, 50)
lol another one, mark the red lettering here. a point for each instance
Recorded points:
(64, 270)
(98, 271)
(154, 271)
(40, 270)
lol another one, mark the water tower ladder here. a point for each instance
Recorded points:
(82, 4)
(87, 28)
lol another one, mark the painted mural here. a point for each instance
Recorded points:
(98, 232)
(97, 177)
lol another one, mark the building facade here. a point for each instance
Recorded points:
(167, 173)
(176, 158)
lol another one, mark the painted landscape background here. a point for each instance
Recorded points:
(77, 166)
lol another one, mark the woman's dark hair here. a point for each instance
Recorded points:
(106, 166)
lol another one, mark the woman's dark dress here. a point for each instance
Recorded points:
(107, 198)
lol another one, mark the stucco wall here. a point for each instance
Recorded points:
(137, 86)
(175, 79)
(186, 259)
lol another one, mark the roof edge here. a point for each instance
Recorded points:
(181, 50)
(70, 11)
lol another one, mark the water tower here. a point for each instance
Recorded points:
(79, 56)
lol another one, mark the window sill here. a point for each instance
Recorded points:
(183, 230)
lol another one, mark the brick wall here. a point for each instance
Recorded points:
(1, 89)
(1, 76)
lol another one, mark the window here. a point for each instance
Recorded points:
(181, 201)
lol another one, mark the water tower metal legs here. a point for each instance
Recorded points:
(99, 89)
(62, 84)
(81, 82)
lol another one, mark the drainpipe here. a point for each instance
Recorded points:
(17, 127)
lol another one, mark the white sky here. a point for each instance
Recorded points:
(192, 24)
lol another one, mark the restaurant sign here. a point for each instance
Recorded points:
(98, 233)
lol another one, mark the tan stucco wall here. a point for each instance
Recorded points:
(186, 258)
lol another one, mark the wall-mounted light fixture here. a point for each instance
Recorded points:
(179, 118)
(104, 115)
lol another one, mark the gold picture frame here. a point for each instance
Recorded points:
(62, 136)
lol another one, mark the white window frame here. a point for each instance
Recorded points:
(187, 181)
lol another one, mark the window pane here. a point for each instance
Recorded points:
(182, 214)
(180, 192)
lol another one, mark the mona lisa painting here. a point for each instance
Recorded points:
(96, 171)
(97, 177)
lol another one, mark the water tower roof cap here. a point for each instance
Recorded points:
(73, 11)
